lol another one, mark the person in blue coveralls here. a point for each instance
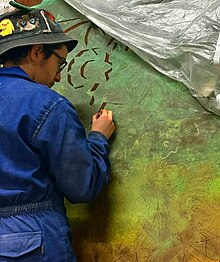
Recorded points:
(45, 155)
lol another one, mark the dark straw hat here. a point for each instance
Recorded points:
(29, 26)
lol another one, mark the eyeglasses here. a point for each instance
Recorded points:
(64, 62)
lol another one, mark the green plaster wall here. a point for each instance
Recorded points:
(162, 203)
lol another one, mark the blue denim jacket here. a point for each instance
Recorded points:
(45, 157)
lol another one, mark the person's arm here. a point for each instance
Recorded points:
(80, 165)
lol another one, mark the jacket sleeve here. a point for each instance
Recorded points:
(79, 165)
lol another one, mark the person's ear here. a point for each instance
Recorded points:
(36, 53)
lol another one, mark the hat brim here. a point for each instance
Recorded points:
(46, 38)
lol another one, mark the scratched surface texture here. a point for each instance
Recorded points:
(163, 200)
(29, 2)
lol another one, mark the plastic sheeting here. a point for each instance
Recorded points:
(180, 38)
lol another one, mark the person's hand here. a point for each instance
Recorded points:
(103, 123)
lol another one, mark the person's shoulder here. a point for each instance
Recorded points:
(43, 92)
(37, 97)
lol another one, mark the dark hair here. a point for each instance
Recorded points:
(17, 53)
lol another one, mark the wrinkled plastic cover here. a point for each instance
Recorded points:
(180, 38)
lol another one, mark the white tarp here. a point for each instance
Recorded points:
(180, 38)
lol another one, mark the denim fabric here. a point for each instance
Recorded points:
(44, 156)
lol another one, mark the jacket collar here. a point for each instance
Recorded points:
(15, 72)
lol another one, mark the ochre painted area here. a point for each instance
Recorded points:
(163, 200)
(29, 2)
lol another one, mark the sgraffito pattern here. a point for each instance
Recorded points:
(163, 201)
(29, 2)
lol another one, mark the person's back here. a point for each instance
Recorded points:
(45, 154)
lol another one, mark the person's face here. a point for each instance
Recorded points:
(50, 68)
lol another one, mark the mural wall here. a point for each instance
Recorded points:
(163, 200)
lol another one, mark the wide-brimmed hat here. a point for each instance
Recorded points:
(29, 26)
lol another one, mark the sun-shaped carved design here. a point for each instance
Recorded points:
(90, 55)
